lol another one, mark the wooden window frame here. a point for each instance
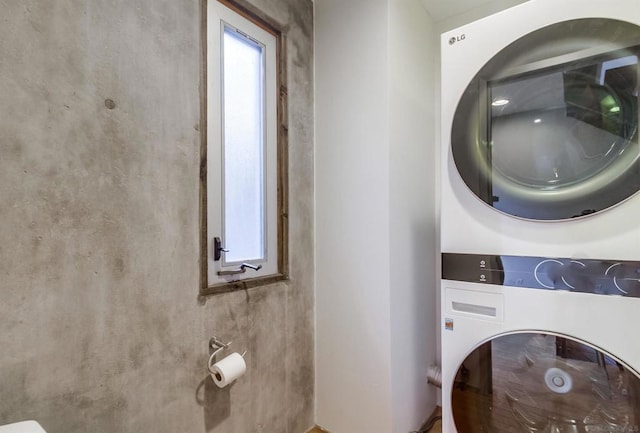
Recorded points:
(254, 15)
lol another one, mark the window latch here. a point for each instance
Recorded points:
(241, 270)
(217, 249)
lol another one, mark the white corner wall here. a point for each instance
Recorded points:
(482, 10)
(413, 229)
(375, 221)
(353, 382)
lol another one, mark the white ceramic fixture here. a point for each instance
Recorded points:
(22, 427)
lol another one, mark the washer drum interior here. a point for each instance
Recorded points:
(543, 382)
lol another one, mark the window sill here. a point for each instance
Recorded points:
(248, 283)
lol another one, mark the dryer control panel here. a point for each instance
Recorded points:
(602, 277)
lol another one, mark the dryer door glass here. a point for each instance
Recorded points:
(536, 382)
(548, 129)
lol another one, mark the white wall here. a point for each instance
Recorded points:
(480, 11)
(413, 228)
(352, 198)
(375, 230)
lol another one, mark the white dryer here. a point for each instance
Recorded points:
(540, 152)
(539, 232)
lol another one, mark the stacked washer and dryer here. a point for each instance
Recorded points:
(540, 293)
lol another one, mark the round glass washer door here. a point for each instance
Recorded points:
(538, 382)
(548, 128)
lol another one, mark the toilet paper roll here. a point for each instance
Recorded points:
(228, 369)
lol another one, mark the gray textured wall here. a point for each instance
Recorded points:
(101, 328)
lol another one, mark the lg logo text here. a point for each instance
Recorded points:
(455, 39)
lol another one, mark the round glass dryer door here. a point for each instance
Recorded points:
(537, 382)
(548, 128)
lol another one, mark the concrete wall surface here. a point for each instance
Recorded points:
(101, 326)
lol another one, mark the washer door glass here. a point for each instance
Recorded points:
(536, 382)
(548, 129)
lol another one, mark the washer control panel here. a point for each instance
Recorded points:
(604, 277)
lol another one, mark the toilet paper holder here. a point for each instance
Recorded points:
(217, 345)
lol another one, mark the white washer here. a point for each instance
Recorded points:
(566, 143)
(521, 360)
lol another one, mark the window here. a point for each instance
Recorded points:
(243, 200)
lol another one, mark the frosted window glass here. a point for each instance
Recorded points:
(243, 152)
